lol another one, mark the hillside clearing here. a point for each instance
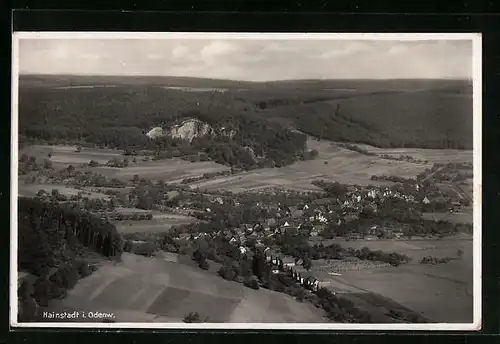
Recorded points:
(156, 225)
(344, 166)
(167, 170)
(30, 190)
(139, 289)
(67, 155)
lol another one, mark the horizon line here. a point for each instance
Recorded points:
(240, 80)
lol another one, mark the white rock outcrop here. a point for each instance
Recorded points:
(190, 128)
(155, 133)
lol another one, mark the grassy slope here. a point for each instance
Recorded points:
(144, 289)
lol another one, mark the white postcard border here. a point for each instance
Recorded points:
(477, 183)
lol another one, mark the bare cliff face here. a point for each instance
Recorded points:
(155, 133)
(191, 128)
(188, 130)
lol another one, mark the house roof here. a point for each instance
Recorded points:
(321, 201)
(287, 259)
(271, 252)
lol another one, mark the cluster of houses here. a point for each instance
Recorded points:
(123, 215)
(357, 198)
(293, 267)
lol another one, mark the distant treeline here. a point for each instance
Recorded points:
(258, 119)
(426, 119)
(91, 116)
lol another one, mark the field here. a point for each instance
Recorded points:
(152, 290)
(464, 216)
(171, 170)
(159, 223)
(431, 155)
(468, 188)
(63, 156)
(441, 293)
(30, 190)
(343, 165)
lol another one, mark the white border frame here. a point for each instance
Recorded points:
(477, 183)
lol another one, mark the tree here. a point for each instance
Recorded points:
(307, 263)
(252, 282)
(192, 317)
(54, 193)
(135, 179)
(47, 164)
(200, 254)
(204, 264)
(93, 163)
(78, 149)
(460, 254)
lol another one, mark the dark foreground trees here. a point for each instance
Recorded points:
(52, 244)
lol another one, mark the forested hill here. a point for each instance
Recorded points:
(118, 111)
(55, 245)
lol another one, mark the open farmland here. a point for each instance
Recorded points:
(427, 289)
(170, 170)
(443, 156)
(159, 223)
(335, 163)
(343, 166)
(464, 216)
(152, 290)
(468, 188)
(30, 190)
(67, 155)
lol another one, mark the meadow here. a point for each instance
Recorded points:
(159, 224)
(30, 190)
(431, 155)
(65, 155)
(464, 216)
(143, 289)
(334, 163)
(169, 170)
(441, 293)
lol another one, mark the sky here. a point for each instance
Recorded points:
(249, 60)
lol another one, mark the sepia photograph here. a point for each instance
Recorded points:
(246, 181)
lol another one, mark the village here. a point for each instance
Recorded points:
(305, 238)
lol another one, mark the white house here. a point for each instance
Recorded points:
(426, 201)
(286, 224)
(243, 250)
(208, 210)
(322, 219)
